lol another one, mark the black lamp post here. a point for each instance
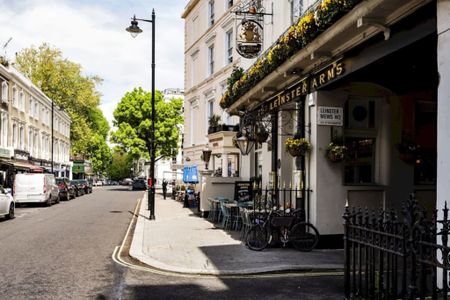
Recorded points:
(135, 30)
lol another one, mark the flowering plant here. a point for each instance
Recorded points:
(336, 152)
(297, 146)
(296, 38)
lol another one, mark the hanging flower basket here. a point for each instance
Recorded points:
(297, 147)
(336, 153)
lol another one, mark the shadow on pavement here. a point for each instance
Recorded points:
(317, 288)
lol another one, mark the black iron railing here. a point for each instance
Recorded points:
(282, 200)
(396, 255)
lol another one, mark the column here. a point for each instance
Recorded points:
(443, 137)
(224, 164)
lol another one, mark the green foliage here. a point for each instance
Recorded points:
(336, 152)
(120, 165)
(315, 20)
(132, 117)
(100, 153)
(63, 82)
(297, 146)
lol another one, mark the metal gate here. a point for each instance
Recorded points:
(396, 255)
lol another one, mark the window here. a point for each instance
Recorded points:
(31, 108)
(359, 168)
(21, 138)
(229, 3)
(36, 110)
(229, 46)
(14, 135)
(35, 143)
(210, 108)
(211, 12)
(30, 142)
(21, 101)
(4, 130)
(210, 60)
(4, 96)
(15, 100)
(297, 9)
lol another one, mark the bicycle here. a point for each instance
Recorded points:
(292, 227)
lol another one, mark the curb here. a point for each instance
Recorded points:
(136, 252)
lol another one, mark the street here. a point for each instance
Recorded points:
(64, 252)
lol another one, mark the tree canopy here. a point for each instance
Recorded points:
(132, 117)
(120, 165)
(63, 82)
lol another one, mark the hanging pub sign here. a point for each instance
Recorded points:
(249, 38)
(249, 27)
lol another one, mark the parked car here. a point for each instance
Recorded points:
(66, 191)
(139, 184)
(97, 183)
(35, 188)
(7, 205)
(78, 189)
(127, 181)
(87, 186)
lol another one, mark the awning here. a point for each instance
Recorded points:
(190, 174)
(28, 167)
(23, 166)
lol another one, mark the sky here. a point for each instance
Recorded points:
(92, 33)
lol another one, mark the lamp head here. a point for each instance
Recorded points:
(245, 144)
(134, 29)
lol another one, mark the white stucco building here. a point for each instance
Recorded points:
(25, 128)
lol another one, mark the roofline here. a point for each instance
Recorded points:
(189, 7)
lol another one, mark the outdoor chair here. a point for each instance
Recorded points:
(246, 223)
(226, 216)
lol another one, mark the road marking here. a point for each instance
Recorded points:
(116, 257)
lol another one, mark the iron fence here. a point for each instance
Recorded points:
(396, 255)
(282, 200)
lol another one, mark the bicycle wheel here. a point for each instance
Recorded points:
(304, 236)
(257, 238)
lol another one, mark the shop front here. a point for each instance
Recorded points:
(364, 100)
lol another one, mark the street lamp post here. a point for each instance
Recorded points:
(134, 30)
(53, 116)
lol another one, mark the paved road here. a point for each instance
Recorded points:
(64, 252)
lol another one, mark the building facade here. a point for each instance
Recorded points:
(349, 73)
(210, 57)
(26, 129)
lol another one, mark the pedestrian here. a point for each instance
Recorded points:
(164, 188)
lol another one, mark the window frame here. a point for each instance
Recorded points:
(229, 46)
(211, 13)
(210, 60)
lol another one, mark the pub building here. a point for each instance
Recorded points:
(369, 83)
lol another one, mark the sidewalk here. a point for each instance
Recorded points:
(182, 242)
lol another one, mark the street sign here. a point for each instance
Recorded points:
(330, 116)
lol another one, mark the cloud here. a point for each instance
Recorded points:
(94, 36)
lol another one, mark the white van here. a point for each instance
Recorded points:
(35, 188)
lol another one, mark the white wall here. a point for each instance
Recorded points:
(443, 141)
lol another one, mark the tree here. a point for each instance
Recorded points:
(132, 117)
(63, 82)
(120, 165)
(100, 153)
